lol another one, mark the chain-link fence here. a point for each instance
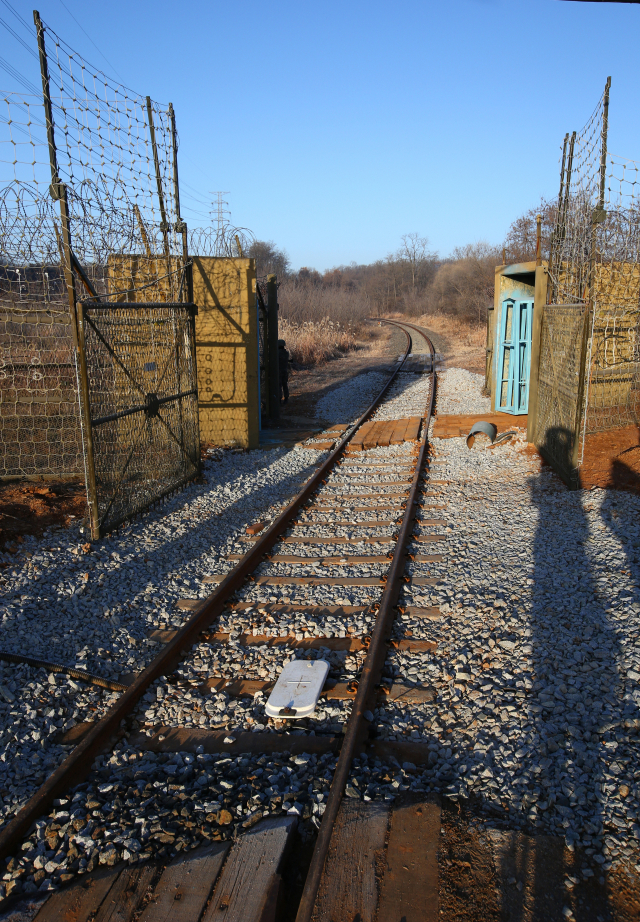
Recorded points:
(589, 371)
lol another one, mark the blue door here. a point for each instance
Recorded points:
(514, 356)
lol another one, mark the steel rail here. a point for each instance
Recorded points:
(78, 763)
(357, 726)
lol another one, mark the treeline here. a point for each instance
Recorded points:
(413, 281)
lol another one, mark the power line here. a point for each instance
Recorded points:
(28, 26)
(90, 39)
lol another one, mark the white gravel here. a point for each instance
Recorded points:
(349, 401)
(459, 391)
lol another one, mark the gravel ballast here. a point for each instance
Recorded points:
(536, 668)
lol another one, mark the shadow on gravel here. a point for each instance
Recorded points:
(579, 713)
(124, 591)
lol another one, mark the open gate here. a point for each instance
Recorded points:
(140, 405)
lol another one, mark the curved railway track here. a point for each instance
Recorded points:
(357, 730)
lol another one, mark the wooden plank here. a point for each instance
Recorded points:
(189, 604)
(186, 739)
(251, 872)
(414, 646)
(127, 894)
(328, 494)
(82, 899)
(305, 580)
(371, 438)
(385, 434)
(317, 446)
(185, 886)
(422, 580)
(348, 888)
(388, 508)
(337, 539)
(426, 558)
(414, 694)
(413, 429)
(409, 888)
(366, 481)
(397, 436)
(318, 611)
(346, 524)
(321, 561)
(428, 539)
(430, 612)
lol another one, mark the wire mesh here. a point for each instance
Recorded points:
(143, 404)
(110, 156)
(589, 379)
(39, 408)
(613, 386)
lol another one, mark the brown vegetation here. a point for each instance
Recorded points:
(449, 295)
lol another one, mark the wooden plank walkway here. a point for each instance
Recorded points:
(384, 432)
(458, 426)
(221, 882)
(382, 864)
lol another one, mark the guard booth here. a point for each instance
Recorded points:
(513, 336)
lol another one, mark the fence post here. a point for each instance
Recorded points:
(59, 192)
(272, 334)
(164, 227)
(88, 435)
(265, 394)
(598, 216)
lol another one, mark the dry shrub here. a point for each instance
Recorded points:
(300, 303)
(311, 343)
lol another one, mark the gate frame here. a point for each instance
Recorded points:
(95, 524)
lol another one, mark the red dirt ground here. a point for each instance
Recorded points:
(30, 508)
(612, 459)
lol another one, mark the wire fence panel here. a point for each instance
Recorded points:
(40, 431)
(594, 272)
(558, 416)
(143, 404)
(39, 414)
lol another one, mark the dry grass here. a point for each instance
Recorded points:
(312, 343)
(469, 334)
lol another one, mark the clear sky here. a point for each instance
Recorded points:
(338, 126)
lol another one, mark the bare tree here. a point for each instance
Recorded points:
(270, 260)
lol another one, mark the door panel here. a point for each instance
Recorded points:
(515, 356)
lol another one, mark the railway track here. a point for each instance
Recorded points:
(370, 492)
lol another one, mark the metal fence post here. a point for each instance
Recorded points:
(272, 335)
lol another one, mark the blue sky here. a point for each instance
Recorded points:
(338, 126)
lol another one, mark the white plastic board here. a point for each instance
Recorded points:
(298, 688)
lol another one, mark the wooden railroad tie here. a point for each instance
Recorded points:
(327, 580)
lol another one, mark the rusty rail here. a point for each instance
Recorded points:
(78, 763)
(357, 730)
